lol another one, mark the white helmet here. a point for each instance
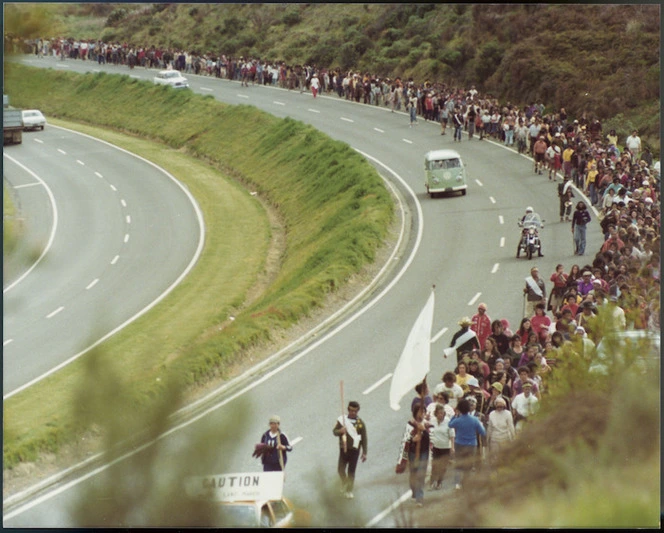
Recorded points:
(529, 209)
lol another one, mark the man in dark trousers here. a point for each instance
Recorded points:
(352, 433)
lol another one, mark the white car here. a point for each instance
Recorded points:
(642, 347)
(172, 78)
(33, 119)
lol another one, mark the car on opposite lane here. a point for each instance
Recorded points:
(171, 77)
(33, 119)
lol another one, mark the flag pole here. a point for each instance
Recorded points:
(418, 446)
(281, 454)
(344, 439)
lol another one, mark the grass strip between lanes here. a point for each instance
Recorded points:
(334, 208)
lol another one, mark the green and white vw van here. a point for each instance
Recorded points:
(444, 172)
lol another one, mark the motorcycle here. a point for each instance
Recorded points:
(530, 241)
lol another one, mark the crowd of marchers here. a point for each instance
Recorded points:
(477, 410)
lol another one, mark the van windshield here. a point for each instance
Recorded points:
(444, 164)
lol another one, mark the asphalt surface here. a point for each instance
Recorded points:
(464, 245)
(107, 235)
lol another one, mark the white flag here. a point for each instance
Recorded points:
(414, 362)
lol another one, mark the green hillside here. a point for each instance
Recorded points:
(598, 59)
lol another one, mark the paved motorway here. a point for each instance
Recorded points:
(107, 235)
(464, 245)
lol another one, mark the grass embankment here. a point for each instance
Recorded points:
(334, 207)
(10, 230)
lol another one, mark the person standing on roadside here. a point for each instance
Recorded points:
(273, 447)
(457, 119)
(412, 107)
(580, 219)
(315, 85)
(352, 433)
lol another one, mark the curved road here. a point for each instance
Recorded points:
(109, 234)
(463, 245)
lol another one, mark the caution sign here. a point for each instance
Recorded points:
(236, 487)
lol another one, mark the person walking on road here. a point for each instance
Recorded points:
(481, 324)
(500, 432)
(467, 429)
(463, 340)
(442, 446)
(415, 446)
(580, 219)
(534, 292)
(353, 444)
(273, 447)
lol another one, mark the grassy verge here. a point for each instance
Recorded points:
(333, 205)
(10, 230)
(238, 235)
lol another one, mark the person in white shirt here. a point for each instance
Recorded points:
(500, 429)
(315, 85)
(524, 405)
(452, 388)
(442, 445)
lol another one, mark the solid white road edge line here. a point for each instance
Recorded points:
(169, 289)
(54, 226)
(252, 384)
(377, 384)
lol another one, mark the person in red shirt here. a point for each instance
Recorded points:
(559, 279)
(481, 324)
(540, 323)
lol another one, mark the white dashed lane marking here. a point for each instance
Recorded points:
(53, 313)
(377, 384)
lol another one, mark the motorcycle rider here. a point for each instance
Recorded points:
(531, 219)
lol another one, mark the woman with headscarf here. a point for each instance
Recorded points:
(500, 428)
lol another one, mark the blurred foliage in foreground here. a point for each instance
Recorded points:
(589, 458)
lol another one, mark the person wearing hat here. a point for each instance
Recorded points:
(463, 340)
(273, 447)
(352, 433)
(481, 324)
(496, 393)
(580, 219)
(524, 405)
(500, 428)
(534, 292)
(314, 84)
(585, 284)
